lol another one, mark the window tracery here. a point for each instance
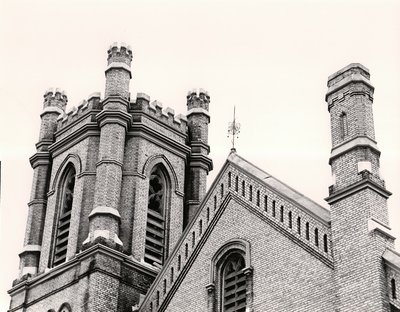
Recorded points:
(64, 216)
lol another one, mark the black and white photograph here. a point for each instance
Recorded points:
(200, 156)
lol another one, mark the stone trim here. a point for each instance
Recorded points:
(121, 65)
(357, 187)
(198, 110)
(109, 162)
(132, 173)
(375, 225)
(392, 259)
(354, 78)
(29, 270)
(86, 173)
(353, 143)
(346, 68)
(28, 248)
(38, 201)
(202, 161)
(105, 210)
(52, 109)
(40, 158)
(113, 117)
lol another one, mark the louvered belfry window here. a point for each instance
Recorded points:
(154, 246)
(234, 284)
(66, 199)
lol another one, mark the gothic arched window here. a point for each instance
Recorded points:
(156, 216)
(233, 284)
(66, 197)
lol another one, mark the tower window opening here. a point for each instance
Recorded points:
(237, 184)
(229, 179)
(243, 188)
(298, 225)
(200, 227)
(393, 287)
(266, 203)
(258, 198)
(193, 238)
(172, 275)
(215, 202)
(316, 237)
(179, 262)
(156, 210)
(343, 125)
(251, 192)
(164, 286)
(307, 231)
(273, 209)
(186, 250)
(222, 190)
(208, 214)
(325, 243)
(281, 217)
(64, 218)
(290, 219)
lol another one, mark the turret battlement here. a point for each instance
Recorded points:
(198, 98)
(351, 69)
(119, 53)
(93, 102)
(156, 110)
(352, 79)
(55, 98)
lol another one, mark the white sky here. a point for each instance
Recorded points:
(269, 58)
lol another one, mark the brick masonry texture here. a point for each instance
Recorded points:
(300, 256)
(286, 277)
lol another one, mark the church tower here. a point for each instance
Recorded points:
(112, 182)
(359, 216)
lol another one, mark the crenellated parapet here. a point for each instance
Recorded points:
(119, 53)
(93, 102)
(198, 98)
(118, 71)
(54, 100)
(155, 110)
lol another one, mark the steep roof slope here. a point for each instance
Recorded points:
(289, 212)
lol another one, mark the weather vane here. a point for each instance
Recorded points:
(233, 129)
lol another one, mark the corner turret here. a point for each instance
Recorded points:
(200, 164)
(118, 72)
(53, 106)
(359, 216)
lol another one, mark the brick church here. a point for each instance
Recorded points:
(120, 217)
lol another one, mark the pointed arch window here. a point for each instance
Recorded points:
(234, 284)
(231, 285)
(67, 187)
(155, 243)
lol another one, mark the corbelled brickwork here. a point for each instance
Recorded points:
(139, 193)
